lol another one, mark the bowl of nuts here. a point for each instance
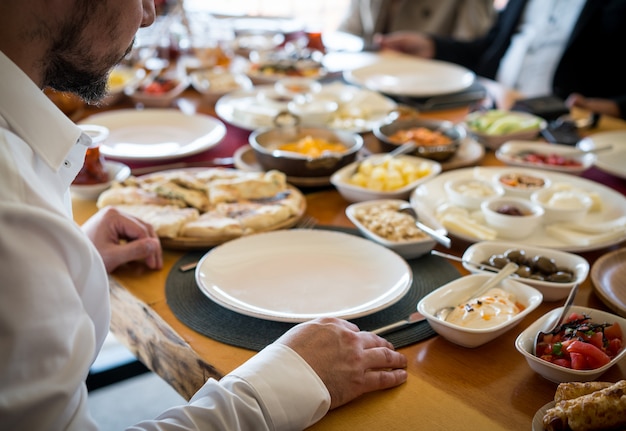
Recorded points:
(380, 221)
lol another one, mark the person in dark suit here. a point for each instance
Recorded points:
(582, 67)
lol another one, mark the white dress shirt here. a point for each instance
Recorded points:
(535, 51)
(54, 302)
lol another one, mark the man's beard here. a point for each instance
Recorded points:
(73, 68)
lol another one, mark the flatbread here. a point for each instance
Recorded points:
(192, 208)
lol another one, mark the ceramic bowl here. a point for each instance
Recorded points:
(471, 192)
(455, 133)
(556, 373)
(118, 172)
(121, 78)
(511, 217)
(521, 182)
(494, 127)
(266, 142)
(540, 155)
(215, 83)
(314, 110)
(378, 221)
(562, 205)
(297, 86)
(498, 253)
(159, 93)
(356, 191)
(457, 291)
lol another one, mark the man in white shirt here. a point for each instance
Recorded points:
(564, 48)
(54, 304)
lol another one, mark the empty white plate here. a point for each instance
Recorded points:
(156, 134)
(297, 275)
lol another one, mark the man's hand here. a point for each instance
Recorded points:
(597, 105)
(349, 362)
(121, 238)
(407, 42)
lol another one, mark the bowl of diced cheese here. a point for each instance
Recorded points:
(381, 176)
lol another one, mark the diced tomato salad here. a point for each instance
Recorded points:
(159, 86)
(581, 344)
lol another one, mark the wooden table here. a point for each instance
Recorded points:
(449, 387)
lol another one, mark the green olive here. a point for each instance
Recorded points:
(560, 277)
(498, 260)
(524, 271)
(516, 255)
(544, 265)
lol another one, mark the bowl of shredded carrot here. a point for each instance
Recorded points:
(435, 139)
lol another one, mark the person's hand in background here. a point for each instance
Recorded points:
(412, 43)
(593, 104)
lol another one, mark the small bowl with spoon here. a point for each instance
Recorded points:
(487, 323)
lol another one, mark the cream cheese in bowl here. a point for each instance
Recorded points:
(495, 307)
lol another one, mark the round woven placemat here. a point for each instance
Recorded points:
(200, 313)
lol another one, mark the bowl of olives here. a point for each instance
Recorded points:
(552, 272)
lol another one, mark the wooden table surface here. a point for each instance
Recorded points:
(449, 387)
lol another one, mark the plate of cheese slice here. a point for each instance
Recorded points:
(202, 207)
(603, 225)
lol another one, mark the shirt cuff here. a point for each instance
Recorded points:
(289, 389)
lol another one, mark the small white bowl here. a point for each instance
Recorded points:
(158, 100)
(551, 157)
(121, 78)
(508, 225)
(357, 193)
(313, 111)
(556, 373)
(297, 86)
(562, 205)
(118, 172)
(398, 224)
(215, 83)
(457, 291)
(471, 192)
(481, 252)
(495, 127)
(521, 182)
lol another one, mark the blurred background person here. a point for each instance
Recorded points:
(462, 19)
(563, 48)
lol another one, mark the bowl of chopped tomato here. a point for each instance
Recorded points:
(588, 344)
(542, 155)
(435, 139)
(159, 92)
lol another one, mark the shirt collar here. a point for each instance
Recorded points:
(31, 115)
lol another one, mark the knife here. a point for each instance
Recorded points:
(410, 320)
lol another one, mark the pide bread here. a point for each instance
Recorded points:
(594, 406)
(211, 203)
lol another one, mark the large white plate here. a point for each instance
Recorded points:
(361, 110)
(411, 76)
(297, 275)
(612, 161)
(432, 194)
(156, 134)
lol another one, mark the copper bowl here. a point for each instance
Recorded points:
(439, 153)
(266, 142)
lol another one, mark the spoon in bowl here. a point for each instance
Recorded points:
(507, 270)
(558, 322)
(443, 312)
(405, 148)
(441, 239)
